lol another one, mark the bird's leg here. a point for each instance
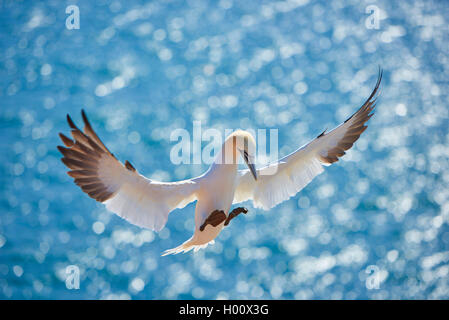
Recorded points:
(234, 213)
(214, 219)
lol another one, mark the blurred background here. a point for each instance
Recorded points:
(372, 226)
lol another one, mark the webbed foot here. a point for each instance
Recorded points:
(214, 219)
(234, 213)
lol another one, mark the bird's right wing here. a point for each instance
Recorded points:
(282, 180)
(121, 188)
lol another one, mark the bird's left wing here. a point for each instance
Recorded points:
(282, 180)
(121, 188)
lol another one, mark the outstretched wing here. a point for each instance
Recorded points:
(121, 188)
(282, 180)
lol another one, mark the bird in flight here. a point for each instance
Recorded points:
(147, 203)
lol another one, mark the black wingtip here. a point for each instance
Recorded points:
(381, 72)
(71, 123)
(67, 141)
(373, 96)
(376, 88)
(322, 133)
(83, 114)
(379, 77)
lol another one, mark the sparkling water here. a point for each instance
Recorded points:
(372, 226)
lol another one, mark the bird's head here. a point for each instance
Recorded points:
(242, 142)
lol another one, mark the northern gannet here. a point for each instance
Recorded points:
(147, 203)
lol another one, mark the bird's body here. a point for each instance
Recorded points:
(215, 191)
(147, 203)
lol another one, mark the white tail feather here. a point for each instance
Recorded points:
(186, 247)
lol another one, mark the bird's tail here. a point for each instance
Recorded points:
(186, 247)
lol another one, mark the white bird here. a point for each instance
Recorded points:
(147, 203)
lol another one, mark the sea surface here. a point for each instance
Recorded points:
(374, 225)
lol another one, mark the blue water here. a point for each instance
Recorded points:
(372, 226)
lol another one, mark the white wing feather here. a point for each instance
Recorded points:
(141, 201)
(295, 171)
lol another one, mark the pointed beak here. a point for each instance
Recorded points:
(252, 168)
(250, 163)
